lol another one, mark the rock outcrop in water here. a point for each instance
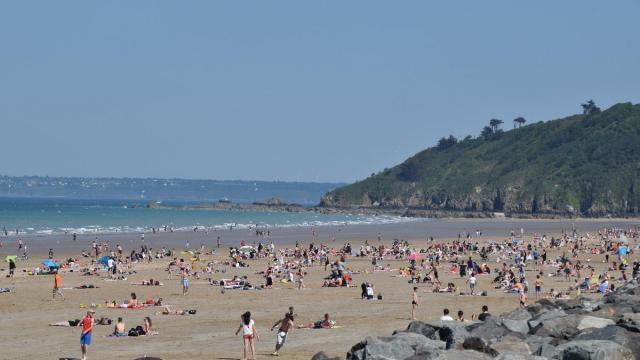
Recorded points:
(582, 165)
(576, 329)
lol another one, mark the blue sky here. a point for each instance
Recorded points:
(291, 90)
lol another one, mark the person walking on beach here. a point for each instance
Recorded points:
(249, 331)
(87, 330)
(472, 282)
(12, 267)
(285, 324)
(414, 303)
(184, 279)
(57, 286)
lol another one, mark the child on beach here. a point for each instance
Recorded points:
(248, 328)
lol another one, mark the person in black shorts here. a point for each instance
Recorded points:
(414, 303)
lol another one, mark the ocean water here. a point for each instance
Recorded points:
(32, 216)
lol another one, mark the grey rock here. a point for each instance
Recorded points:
(509, 356)
(478, 344)
(561, 327)
(451, 355)
(616, 334)
(518, 314)
(490, 330)
(537, 343)
(511, 345)
(587, 322)
(422, 328)
(458, 329)
(519, 326)
(323, 356)
(399, 346)
(593, 350)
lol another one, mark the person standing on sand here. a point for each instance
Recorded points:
(414, 303)
(538, 285)
(57, 286)
(523, 299)
(184, 279)
(249, 331)
(12, 267)
(87, 330)
(286, 324)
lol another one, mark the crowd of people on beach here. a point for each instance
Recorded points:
(474, 265)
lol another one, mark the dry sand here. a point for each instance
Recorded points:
(209, 334)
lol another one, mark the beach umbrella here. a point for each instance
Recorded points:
(104, 260)
(414, 257)
(14, 257)
(246, 248)
(50, 263)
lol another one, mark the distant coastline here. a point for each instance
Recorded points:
(276, 205)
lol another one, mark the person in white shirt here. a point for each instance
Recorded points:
(472, 282)
(446, 316)
(248, 328)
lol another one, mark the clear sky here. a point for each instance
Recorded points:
(291, 90)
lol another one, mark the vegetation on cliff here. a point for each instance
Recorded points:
(587, 164)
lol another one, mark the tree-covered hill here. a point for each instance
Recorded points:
(585, 164)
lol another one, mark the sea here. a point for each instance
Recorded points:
(51, 216)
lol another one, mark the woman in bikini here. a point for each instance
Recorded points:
(248, 328)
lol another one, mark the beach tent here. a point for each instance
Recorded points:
(50, 264)
(14, 257)
(104, 260)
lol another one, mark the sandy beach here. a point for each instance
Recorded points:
(209, 334)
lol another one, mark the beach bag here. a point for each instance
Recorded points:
(133, 332)
(379, 296)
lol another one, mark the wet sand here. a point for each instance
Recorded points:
(210, 333)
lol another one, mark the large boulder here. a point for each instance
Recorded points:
(539, 344)
(451, 355)
(457, 329)
(511, 345)
(559, 327)
(490, 330)
(516, 321)
(593, 350)
(616, 334)
(589, 322)
(323, 356)
(397, 347)
(422, 328)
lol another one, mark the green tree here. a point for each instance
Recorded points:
(519, 121)
(590, 108)
(487, 132)
(495, 123)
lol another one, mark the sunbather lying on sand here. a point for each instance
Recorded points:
(327, 323)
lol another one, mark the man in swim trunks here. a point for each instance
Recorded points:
(285, 325)
(414, 303)
(87, 330)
